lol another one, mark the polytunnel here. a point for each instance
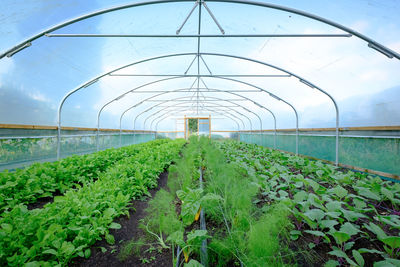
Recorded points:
(310, 89)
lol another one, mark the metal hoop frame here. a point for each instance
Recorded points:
(371, 43)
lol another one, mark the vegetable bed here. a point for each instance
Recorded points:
(260, 207)
(51, 236)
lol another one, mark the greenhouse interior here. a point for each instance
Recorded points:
(200, 133)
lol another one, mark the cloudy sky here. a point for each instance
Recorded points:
(365, 83)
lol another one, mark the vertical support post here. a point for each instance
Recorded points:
(58, 140)
(198, 127)
(209, 126)
(185, 127)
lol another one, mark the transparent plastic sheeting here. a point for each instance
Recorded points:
(380, 154)
(364, 82)
(30, 146)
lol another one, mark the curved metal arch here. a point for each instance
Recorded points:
(177, 100)
(371, 43)
(86, 84)
(177, 90)
(216, 108)
(181, 98)
(183, 110)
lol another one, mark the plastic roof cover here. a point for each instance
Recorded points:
(364, 82)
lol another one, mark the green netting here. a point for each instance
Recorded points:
(27, 146)
(376, 153)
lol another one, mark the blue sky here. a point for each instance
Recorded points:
(365, 83)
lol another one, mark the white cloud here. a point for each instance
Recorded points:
(38, 96)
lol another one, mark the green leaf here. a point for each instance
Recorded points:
(334, 206)
(349, 229)
(368, 193)
(311, 245)
(295, 234)
(387, 263)
(339, 191)
(103, 249)
(315, 214)
(88, 252)
(333, 214)
(376, 230)
(331, 263)
(316, 233)
(32, 264)
(300, 196)
(50, 251)
(114, 225)
(338, 253)
(110, 239)
(387, 193)
(176, 238)
(392, 241)
(352, 215)
(198, 235)
(315, 186)
(366, 250)
(193, 263)
(7, 227)
(67, 249)
(358, 257)
(359, 204)
(328, 223)
(348, 245)
(340, 236)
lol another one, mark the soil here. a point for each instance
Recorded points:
(130, 229)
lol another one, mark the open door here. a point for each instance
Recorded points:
(197, 126)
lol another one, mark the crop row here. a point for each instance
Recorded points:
(44, 179)
(67, 227)
(238, 232)
(345, 218)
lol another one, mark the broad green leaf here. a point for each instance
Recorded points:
(193, 263)
(316, 233)
(339, 191)
(359, 204)
(358, 257)
(333, 214)
(7, 227)
(295, 234)
(368, 193)
(348, 245)
(331, 263)
(315, 214)
(50, 251)
(334, 205)
(315, 186)
(110, 239)
(387, 193)
(349, 228)
(300, 196)
(392, 241)
(340, 237)
(114, 225)
(176, 238)
(338, 253)
(328, 223)
(352, 215)
(376, 230)
(366, 250)
(88, 252)
(387, 263)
